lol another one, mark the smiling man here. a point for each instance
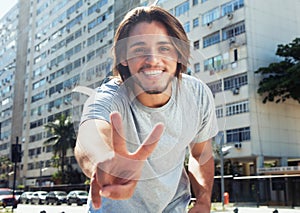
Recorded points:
(137, 128)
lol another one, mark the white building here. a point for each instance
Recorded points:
(8, 73)
(231, 40)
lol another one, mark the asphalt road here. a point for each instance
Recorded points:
(27, 208)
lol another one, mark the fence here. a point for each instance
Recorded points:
(263, 190)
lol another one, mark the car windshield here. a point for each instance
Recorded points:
(82, 193)
(5, 192)
(44, 194)
(62, 193)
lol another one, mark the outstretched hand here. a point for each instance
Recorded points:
(117, 178)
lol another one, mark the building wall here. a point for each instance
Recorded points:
(275, 127)
(8, 73)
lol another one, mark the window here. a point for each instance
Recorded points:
(211, 39)
(235, 55)
(237, 108)
(238, 135)
(233, 31)
(214, 63)
(235, 81)
(39, 83)
(195, 2)
(219, 111)
(196, 45)
(182, 8)
(215, 86)
(195, 22)
(210, 16)
(186, 27)
(231, 6)
(197, 67)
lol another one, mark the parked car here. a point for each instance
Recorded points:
(7, 198)
(38, 197)
(77, 196)
(18, 194)
(56, 197)
(25, 197)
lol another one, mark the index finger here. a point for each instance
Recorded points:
(148, 146)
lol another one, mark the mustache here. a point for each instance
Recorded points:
(147, 66)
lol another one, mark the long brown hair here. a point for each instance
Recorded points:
(149, 14)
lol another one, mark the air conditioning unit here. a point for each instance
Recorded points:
(236, 90)
(238, 145)
(209, 24)
(232, 40)
(229, 16)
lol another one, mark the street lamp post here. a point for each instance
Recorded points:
(41, 174)
(223, 151)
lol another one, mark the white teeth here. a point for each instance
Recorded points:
(152, 72)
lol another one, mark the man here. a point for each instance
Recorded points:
(136, 129)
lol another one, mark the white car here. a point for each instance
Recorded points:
(25, 197)
(77, 196)
(38, 197)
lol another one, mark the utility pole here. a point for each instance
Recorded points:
(222, 173)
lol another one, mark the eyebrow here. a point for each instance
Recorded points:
(142, 43)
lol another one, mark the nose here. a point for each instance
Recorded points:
(152, 58)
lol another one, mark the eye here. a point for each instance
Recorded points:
(164, 49)
(139, 51)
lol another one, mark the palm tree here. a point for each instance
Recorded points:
(62, 138)
(6, 166)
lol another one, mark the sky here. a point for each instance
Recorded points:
(6, 5)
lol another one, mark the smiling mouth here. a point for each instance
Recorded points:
(152, 73)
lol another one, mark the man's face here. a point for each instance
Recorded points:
(151, 57)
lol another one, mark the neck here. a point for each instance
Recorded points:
(153, 100)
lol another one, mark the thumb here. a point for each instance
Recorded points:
(95, 192)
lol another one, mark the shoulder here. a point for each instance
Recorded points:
(194, 85)
(110, 86)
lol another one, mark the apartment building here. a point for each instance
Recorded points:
(230, 40)
(8, 73)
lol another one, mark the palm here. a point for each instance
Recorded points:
(119, 175)
(62, 138)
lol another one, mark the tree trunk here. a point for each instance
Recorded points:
(63, 168)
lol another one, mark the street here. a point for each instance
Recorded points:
(261, 209)
(25, 208)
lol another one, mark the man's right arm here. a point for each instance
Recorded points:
(93, 145)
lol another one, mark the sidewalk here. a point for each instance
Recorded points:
(217, 207)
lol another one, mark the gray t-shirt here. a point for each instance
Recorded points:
(189, 117)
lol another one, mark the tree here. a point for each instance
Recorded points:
(281, 80)
(6, 166)
(62, 138)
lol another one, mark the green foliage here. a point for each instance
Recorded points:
(62, 138)
(281, 80)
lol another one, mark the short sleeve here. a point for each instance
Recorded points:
(208, 126)
(101, 103)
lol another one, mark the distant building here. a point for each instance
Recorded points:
(8, 89)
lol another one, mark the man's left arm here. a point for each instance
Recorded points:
(201, 174)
